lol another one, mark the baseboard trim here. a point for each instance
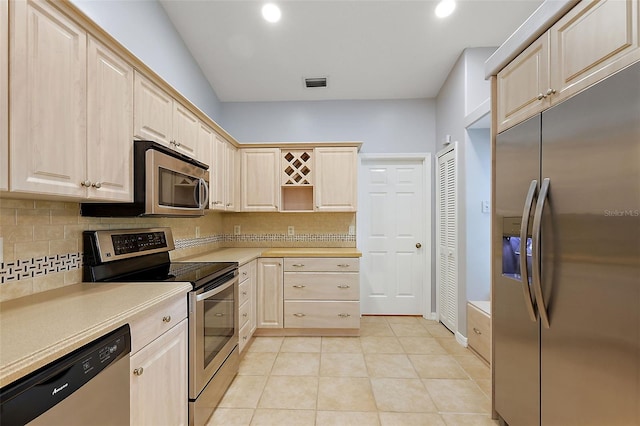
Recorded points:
(461, 339)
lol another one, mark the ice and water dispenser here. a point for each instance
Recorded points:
(511, 250)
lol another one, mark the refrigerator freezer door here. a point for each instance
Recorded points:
(516, 350)
(590, 261)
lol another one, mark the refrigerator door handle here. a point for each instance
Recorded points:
(535, 249)
(524, 273)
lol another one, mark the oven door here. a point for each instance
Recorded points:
(174, 186)
(213, 330)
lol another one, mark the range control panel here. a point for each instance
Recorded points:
(127, 243)
(132, 243)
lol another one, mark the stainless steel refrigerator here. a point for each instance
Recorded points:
(566, 253)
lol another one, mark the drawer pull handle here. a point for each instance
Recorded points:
(475, 330)
(138, 371)
(166, 319)
(298, 265)
(344, 315)
(343, 265)
(299, 315)
(218, 314)
(344, 286)
(298, 286)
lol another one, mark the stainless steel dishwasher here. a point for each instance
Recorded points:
(89, 386)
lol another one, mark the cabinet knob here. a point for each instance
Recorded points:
(344, 315)
(138, 371)
(244, 337)
(418, 245)
(218, 314)
(86, 183)
(244, 273)
(166, 319)
(177, 143)
(299, 315)
(298, 286)
(541, 96)
(244, 314)
(475, 330)
(228, 204)
(244, 293)
(97, 185)
(551, 92)
(344, 286)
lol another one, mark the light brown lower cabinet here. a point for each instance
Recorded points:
(158, 363)
(247, 303)
(321, 293)
(479, 329)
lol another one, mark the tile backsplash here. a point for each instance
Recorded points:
(42, 240)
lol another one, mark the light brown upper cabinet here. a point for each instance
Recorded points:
(48, 92)
(71, 122)
(336, 187)
(109, 124)
(158, 117)
(260, 179)
(4, 96)
(592, 41)
(225, 176)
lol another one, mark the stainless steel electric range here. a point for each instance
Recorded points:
(139, 255)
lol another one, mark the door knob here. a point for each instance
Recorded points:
(418, 245)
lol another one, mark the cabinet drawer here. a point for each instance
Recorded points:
(244, 291)
(479, 331)
(321, 264)
(244, 336)
(325, 285)
(244, 313)
(148, 325)
(244, 272)
(321, 314)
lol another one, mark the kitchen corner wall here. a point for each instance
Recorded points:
(42, 240)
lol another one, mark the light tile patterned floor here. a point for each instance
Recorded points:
(400, 371)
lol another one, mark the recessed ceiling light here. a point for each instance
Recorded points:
(445, 8)
(271, 12)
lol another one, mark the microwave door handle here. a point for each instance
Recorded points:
(198, 193)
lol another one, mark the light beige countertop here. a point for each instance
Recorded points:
(38, 329)
(244, 255)
(240, 255)
(312, 252)
(483, 305)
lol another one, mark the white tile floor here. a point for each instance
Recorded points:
(400, 371)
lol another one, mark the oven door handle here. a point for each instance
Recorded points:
(208, 294)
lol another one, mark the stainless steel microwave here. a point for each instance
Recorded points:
(165, 183)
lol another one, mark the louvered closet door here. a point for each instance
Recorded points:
(446, 240)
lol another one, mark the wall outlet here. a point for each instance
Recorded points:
(485, 207)
(197, 232)
(236, 229)
(352, 230)
(290, 230)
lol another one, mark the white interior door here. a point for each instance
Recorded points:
(393, 224)
(447, 239)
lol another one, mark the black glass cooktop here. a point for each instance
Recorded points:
(193, 272)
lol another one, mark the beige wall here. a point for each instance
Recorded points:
(42, 240)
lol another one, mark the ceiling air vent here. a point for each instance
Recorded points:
(315, 82)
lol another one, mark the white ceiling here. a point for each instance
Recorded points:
(391, 49)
